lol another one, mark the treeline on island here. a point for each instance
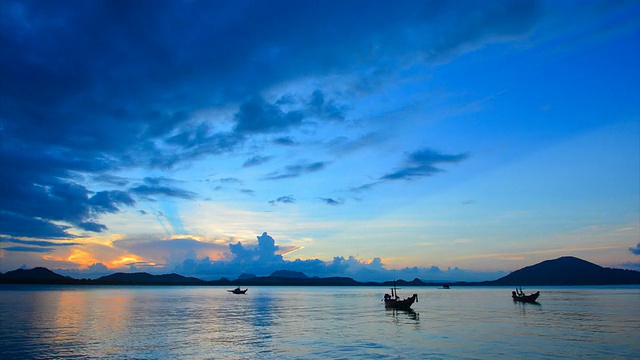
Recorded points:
(562, 271)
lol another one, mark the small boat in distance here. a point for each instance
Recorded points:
(393, 300)
(519, 295)
(446, 286)
(238, 291)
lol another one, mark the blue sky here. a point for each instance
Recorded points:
(440, 139)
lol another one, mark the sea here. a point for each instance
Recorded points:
(207, 322)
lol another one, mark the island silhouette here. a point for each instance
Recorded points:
(566, 270)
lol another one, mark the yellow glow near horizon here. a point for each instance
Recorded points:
(126, 259)
(82, 258)
(293, 250)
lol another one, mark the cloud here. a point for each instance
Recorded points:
(27, 249)
(330, 201)
(111, 179)
(230, 180)
(284, 141)
(288, 199)
(365, 187)
(207, 259)
(257, 116)
(635, 250)
(262, 259)
(17, 225)
(248, 192)
(120, 100)
(630, 266)
(161, 186)
(422, 163)
(293, 171)
(93, 271)
(107, 201)
(38, 242)
(256, 160)
(31, 209)
(325, 108)
(170, 251)
(148, 190)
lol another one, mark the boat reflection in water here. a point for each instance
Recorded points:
(402, 313)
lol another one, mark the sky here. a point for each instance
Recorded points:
(444, 140)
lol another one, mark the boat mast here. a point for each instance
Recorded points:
(394, 291)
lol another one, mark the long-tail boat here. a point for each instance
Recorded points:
(238, 291)
(519, 295)
(393, 300)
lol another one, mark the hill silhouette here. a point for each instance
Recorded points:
(146, 278)
(568, 270)
(38, 275)
(562, 271)
(289, 274)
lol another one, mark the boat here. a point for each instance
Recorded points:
(238, 291)
(446, 286)
(519, 295)
(393, 301)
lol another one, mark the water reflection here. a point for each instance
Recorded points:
(522, 307)
(403, 314)
(208, 322)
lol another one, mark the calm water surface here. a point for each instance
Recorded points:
(315, 322)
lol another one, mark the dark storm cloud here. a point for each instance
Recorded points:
(96, 86)
(293, 171)
(423, 163)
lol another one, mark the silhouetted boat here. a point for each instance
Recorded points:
(445, 287)
(238, 291)
(519, 295)
(393, 300)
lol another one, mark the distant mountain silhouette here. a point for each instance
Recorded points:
(146, 278)
(244, 276)
(414, 282)
(35, 275)
(562, 271)
(298, 281)
(289, 274)
(567, 270)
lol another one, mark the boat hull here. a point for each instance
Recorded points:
(526, 298)
(400, 304)
(237, 291)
